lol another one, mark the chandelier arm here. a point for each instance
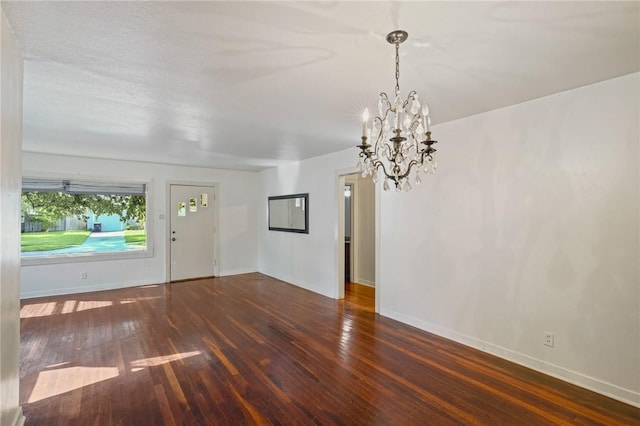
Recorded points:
(384, 97)
(364, 154)
(409, 167)
(416, 121)
(411, 97)
(378, 142)
(377, 164)
(379, 135)
(416, 140)
(422, 155)
(412, 130)
(426, 152)
(389, 109)
(390, 153)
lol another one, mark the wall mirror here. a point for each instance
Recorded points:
(289, 213)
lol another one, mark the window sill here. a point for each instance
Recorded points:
(85, 257)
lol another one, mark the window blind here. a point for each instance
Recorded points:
(71, 186)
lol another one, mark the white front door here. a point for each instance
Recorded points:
(192, 230)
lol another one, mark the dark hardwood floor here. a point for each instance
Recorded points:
(360, 297)
(250, 349)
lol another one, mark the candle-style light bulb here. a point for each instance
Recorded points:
(426, 121)
(365, 119)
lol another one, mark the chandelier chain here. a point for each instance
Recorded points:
(397, 68)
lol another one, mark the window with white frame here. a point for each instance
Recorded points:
(66, 220)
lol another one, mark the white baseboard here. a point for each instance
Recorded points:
(298, 283)
(365, 282)
(82, 289)
(226, 273)
(608, 389)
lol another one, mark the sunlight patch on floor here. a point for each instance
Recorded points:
(46, 309)
(37, 310)
(85, 305)
(159, 360)
(69, 306)
(58, 365)
(56, 382)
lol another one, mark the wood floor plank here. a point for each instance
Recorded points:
(250, 349)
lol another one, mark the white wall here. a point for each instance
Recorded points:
(307, 260)
(530, 225)
(237, 198)
(11, 71)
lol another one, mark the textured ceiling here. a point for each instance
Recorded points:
(248, 85)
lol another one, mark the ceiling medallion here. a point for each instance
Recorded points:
(400, 136)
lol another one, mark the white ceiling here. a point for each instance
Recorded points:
(248, 85)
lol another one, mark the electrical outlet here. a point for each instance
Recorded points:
(83, 276)
(548, 339)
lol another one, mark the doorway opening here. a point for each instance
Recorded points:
(357, 242)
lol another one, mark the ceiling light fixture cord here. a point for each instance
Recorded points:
(400, 136)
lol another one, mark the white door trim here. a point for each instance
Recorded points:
(378, 278)
(339, 242)
(167, 231)
(355, 241)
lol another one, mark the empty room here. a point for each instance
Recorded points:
(354, 213)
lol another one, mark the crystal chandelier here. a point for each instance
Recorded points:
(400, 136)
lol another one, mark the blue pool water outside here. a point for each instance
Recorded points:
(97, 242)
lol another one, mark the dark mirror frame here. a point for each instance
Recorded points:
(301, 230)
